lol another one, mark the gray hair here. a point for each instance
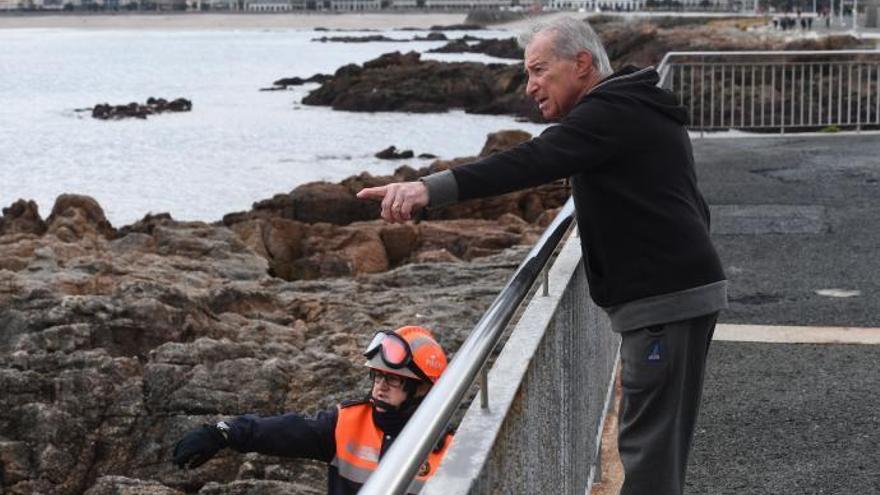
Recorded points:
(571, 36)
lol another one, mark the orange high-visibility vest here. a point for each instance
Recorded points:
(359, 442)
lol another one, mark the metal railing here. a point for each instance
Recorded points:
(776, 90)
(401, 463)
(552, 384)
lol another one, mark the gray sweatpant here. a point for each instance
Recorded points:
(662, 378)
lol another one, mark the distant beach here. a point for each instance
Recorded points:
(190, 21)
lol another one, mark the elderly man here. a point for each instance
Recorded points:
(644, 231)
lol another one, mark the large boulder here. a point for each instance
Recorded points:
(22, 217)
(502, 140)
(319, 202)
(76, 216)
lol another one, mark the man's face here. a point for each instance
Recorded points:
(388, 388)
(554, 82)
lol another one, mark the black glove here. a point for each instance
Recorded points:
(198, 446)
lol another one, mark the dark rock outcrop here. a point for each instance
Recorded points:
(22, 217)
(105, 111)
(75, 216)
(355, 39)
(505, 48)
(457, 27)
(285, 82)
(404, 82)
(392, 153)
(432, 36)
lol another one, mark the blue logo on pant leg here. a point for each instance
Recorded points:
(655, 352)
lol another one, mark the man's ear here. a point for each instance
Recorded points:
(584, 63)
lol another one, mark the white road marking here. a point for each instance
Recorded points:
(782, 334)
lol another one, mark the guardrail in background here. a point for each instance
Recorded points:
(402, 461)
(779, 90)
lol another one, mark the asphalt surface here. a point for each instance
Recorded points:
(793, 216)
(793, 419)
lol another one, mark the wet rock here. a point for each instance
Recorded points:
(391, 153)
(105, 111)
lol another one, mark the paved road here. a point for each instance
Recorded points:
(788, 419)
(825, 192)
(793, 418)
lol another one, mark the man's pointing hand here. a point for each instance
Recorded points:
(399, 199)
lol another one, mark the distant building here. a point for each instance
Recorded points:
(8, 4)
(467, 4)
(593, 5)
(269, 6)
(355, 5)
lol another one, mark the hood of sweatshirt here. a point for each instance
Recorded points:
(641, 85)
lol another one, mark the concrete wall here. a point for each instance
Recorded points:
(548, 391)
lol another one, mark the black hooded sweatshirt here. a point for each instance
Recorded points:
(644, 224)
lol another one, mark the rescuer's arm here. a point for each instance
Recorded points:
(289, 435)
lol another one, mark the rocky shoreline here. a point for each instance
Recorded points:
(403, 82)
(117, 340)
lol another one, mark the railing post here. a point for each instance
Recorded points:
(484, 387)
(546, 282)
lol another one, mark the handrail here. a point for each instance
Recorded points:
(806, 90)
(400, 464)
(663, 66)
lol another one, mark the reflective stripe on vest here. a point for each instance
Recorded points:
(359, 443)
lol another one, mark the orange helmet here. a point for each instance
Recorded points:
(408, 351)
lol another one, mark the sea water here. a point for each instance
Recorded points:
(238, 145)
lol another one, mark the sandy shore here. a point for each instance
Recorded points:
(231, 21)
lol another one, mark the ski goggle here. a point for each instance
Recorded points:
(394, 350)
